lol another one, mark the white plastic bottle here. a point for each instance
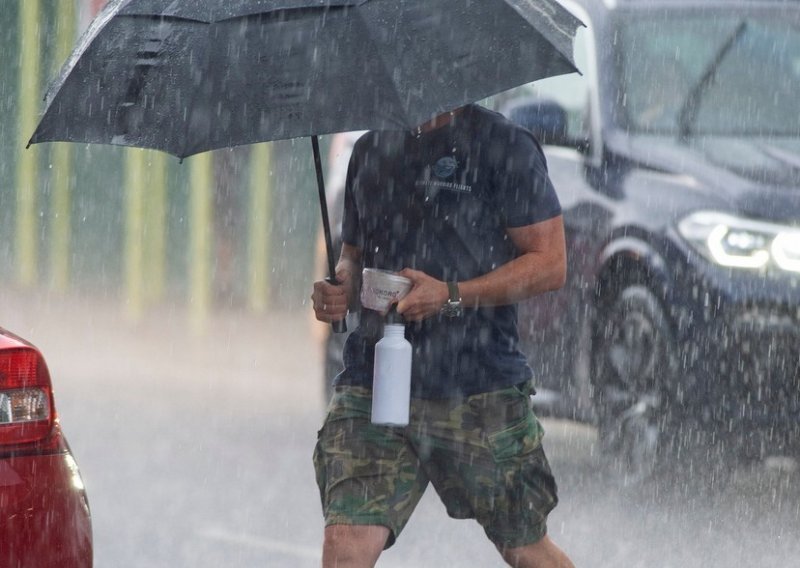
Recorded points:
(391, 382)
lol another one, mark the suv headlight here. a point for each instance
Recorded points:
(738, 242)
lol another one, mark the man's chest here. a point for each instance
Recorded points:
(437, 184)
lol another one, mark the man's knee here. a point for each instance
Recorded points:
(541, 554)
(353, 546)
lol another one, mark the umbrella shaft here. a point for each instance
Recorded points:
(326, 226)
(338, 326)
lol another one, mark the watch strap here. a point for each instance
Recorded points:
(452, 289)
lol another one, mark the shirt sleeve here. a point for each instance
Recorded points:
(525, 193)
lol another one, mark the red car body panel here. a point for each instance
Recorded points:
(45, 520)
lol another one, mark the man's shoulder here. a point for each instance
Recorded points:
(496, 128)
(488, 116)
(380, 141)
(500, 138)
(480, 113)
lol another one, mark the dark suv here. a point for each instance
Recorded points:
(676, 156)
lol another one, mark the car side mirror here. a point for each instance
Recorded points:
(545, 118)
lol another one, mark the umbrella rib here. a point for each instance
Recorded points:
(406, 121)
(563, 30)
(95, 27)
(193, 101)
(409, 123)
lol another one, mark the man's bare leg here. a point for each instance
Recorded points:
(353, 546)
(542, 554)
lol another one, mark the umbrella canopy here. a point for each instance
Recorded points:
(187, 76)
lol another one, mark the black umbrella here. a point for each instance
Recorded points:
(187, 76)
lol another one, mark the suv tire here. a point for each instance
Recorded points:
(633, 363)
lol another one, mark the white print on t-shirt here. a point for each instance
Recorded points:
(444, 168)
(437, 185)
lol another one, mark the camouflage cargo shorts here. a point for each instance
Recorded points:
(482, 454)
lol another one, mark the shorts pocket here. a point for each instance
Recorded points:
(519, 439)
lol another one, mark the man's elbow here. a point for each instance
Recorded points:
(555, 284)
(558, 277)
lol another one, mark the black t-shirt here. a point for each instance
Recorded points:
(441, 202)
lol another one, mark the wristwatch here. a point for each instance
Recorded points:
(452, 308)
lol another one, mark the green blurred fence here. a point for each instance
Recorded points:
(231, 228)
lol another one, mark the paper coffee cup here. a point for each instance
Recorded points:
(381, 288)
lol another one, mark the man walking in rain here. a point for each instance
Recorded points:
(464, 208)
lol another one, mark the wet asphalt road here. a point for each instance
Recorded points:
(196, 452)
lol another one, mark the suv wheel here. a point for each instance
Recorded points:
(632, 363)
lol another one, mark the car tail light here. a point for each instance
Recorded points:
(26, 403)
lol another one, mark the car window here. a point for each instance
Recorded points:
(742, 73)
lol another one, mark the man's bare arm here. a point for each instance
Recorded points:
(540, 267)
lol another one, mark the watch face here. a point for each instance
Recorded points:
(452, 309)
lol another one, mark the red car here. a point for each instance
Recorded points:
(44, 513)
